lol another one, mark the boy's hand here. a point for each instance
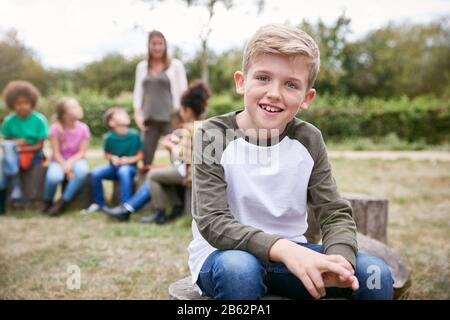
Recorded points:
(309, 266)
(167, 143)
(115, 161)
(20, 142)
(333, 280)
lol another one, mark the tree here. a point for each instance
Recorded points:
(112, 74)
(332, 41)
(404, 59)
(210, 6)
(19, 62)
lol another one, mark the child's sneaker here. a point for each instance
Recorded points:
(91, 209)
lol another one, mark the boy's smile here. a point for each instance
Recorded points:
(274, 89)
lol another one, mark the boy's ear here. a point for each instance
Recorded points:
(239, 82)
(309, 97)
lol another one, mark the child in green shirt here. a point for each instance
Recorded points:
(124, 149)
(24, 132)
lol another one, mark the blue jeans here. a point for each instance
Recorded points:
(140, 198)
(10, 167)
(236, 274)
(124, 174)
(55, 176)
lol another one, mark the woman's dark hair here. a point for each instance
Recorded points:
(196, 97)
(19, 88)
(166, 58)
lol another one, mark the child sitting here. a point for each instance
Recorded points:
(124, 149)
(254, 173)
(161, 183)
(24, 131)
(69, 138)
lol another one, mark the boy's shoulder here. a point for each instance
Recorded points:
(304, 132)
(133, 133)
(308, 135)
(39, 116)
(9, 117)
(221, 122)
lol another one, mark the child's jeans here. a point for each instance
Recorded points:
(10, 167)
(159, 187)
(124, 174)
(55, 176)
(140, 198)
(236, 274)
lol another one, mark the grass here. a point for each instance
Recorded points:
(136, 261)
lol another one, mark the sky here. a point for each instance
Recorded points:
(70, 33)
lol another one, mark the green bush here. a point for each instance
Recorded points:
(420, 119)
(423, 119)
(94, 105)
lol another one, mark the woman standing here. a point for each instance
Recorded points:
(160, 81)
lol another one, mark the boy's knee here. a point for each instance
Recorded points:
(374, 276)
(97, 173)
(124, 171)
(151, 175)
(240, 275)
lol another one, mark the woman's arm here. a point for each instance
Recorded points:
(138, 94)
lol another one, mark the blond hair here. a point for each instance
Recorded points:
(285, 40)
(62, 105)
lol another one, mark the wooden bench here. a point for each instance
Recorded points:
(32, 184)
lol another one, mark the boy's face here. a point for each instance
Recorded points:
(22, 107)
(119, 119)
(274, 90)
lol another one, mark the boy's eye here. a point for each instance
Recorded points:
(263, 78)
(291, 85)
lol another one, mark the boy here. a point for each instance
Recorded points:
(251, 187)
(124, 149)
(163, 183)
(24, 131)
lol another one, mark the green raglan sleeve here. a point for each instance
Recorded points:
(210, 207)
(333, 213)
(106, 143)
(43, 126)
(6, 127)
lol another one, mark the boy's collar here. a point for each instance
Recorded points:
(120, 133)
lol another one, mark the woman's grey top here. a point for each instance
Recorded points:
(157, 101)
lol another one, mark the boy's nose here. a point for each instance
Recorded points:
(273, 92)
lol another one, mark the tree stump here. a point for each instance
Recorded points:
(184, 289)
(32, 185)
(369, 212)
